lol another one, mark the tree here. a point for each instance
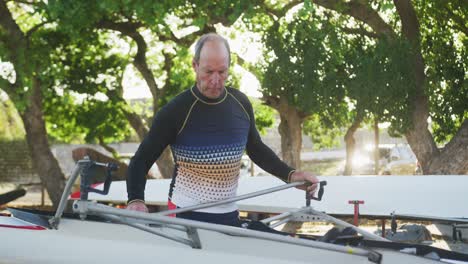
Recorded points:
(379, 86)
(303, 76)
(432, 159)
(130, 20)
(82, 66)
(264, 115)
(126, 19)
(444, 42)
(148, 27)
(24, 48)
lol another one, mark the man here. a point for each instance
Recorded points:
(208, 128)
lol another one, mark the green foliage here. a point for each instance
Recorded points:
(308, 60)
(143, 108)
(104, 121)
(227, 12)
(305, 65)
(79, 16)
(381, 80)
(90, 121)
(444, 47)
(11, 126)
(180, 76)
(61, 113)
(257, 21)
(83, 67)
(323, 137)
(264, 115)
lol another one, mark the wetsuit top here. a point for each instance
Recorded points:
(207, 139)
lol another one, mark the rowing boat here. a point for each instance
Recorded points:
(100, 233)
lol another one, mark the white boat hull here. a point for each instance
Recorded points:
(78, 241)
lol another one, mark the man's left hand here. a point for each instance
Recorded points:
(305, 176)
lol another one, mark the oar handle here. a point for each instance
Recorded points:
(321, 190)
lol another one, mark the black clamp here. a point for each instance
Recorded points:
(321, 190)
(87, 173)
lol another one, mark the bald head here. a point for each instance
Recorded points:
(211, 65)
(210, 37)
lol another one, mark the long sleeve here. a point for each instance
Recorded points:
(163, 132)
(159, 137)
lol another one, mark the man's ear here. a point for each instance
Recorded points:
(194, 65)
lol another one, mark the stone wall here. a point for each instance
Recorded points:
(16, 163)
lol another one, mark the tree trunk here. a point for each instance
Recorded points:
(376, 147)
(113, 151)
(418, 136)
(432, 160)
(43, 160)
(452, 158)
(351, 143)
(290, 129)
(165, 162)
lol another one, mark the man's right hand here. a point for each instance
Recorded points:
(139, 206)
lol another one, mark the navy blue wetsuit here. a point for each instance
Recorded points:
(207, 139)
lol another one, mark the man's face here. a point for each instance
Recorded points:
(212, 69)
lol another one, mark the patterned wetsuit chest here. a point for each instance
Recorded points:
(208, 152)
(214, 125)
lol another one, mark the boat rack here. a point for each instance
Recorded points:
(148, 221)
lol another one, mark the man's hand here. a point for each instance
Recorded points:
(137, 205)
(305, 176)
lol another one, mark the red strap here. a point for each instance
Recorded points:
(76, 195)
(171, 206)
(24, 227)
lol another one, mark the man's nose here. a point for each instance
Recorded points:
(215, 78)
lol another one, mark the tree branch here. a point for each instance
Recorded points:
(15, 42)
(409, 21)
(360, 11)
(130, 29)
(459, 22)
(282, 12)
(359, 31)
(25, 2)
(35, 28)
(5, 85)
(271, 101)
(113, 151)
(185, 41)
(9, 24)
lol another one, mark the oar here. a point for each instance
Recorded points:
(237, 198)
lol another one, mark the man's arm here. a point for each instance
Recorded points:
(263, 156)
(162, 133)
(259, 152)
